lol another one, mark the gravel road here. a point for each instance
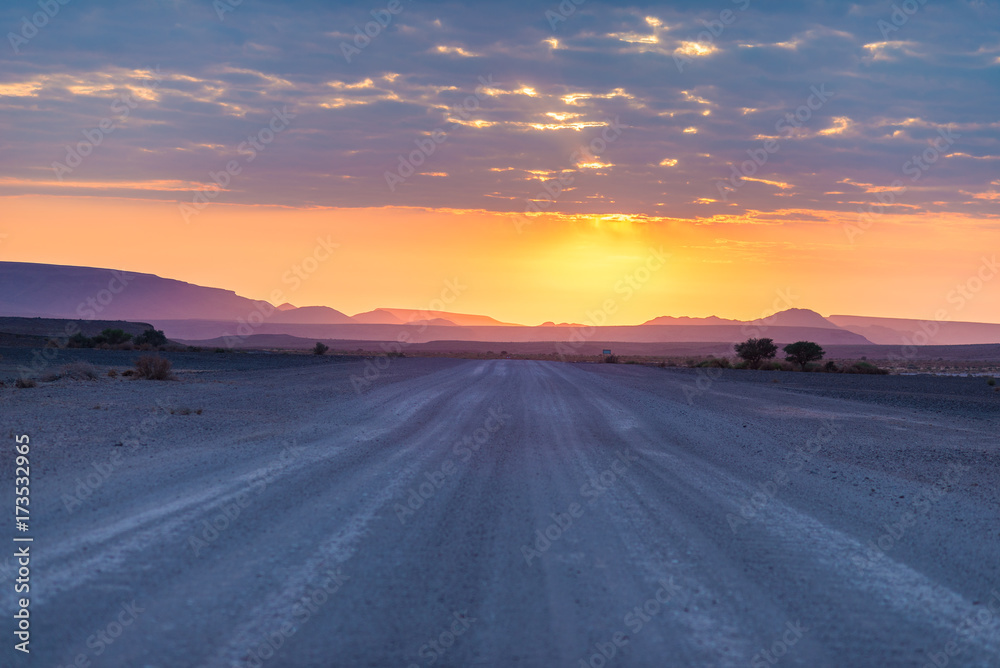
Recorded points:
(508, 513)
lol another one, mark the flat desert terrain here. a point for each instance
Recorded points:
(260, 510)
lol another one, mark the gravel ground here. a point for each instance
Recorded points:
(14, 358)
(504, 512)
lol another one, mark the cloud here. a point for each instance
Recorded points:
(551, 93)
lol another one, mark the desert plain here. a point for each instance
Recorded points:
(261, 510)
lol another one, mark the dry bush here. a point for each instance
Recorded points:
(24, 382)
(865, 368)
(112, 373)
(153, 367)
(79, 371)
(74, 370)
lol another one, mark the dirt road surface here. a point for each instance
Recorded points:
(508, 513)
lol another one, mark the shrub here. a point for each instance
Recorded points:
(611, 359)
(320, 349)
(716, 363)
(78, 340)
(754, 351)
(186, 411)
(153, 367)
(79, 371)
(803, 352)
(112, 373)
(393, 353)
(24, 382)
(830, 367)
(112, 337)
(219, 350)
(153, 337)
(865, 367)
(50, 376)
(991, 382)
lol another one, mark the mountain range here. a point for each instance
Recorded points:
(192, 312)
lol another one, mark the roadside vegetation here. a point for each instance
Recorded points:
(759, 353)
(117, 339)
(153, 367)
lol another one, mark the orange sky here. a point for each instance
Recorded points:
(557, 268)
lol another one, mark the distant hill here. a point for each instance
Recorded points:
(310, 315)
(797, 317)
(57, 291)
(399, 316)
(187, 311)
(793, 317)
(688, 320)
(903, 331)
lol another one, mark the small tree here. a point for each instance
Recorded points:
(803, 352)
(153, 337)
(754, 351)
(78, 340)
(320, 349)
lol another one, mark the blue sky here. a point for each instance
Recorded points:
(896, 83)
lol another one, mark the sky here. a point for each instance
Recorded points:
(683, 158)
